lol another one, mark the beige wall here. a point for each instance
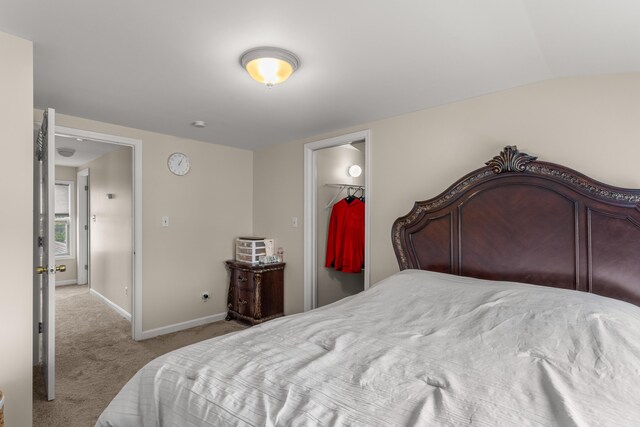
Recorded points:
(111, 249)
(591, 124)
(277, 197)
(16, 290)
(208, 209)
(331, 168)
(66, 173)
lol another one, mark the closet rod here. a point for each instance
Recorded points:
(341, 187)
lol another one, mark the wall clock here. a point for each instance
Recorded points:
(179, 164)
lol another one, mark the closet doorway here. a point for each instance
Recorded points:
(329, 179)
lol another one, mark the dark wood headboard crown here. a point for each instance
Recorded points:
(523, 220)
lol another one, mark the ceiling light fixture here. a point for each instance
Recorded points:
(198, 124)
(354, 171)
(66, 152)
(269, 65)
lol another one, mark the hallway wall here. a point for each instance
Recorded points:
(111, 232)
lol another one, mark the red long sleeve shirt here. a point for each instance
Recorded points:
(345, 240)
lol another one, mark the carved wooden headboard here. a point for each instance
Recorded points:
(523, 220)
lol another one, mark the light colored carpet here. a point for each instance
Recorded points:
(96, 356)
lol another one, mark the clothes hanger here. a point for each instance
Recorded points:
(350, 197)
(361, 194)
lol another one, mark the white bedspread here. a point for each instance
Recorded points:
(419, 348)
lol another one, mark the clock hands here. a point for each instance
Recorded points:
(178, 164)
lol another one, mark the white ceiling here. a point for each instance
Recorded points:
(161, 65)
(86, 151)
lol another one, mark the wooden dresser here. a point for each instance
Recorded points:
(256, 292)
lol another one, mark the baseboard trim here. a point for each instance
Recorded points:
(151, 333)
(121, 311)
(66, 282)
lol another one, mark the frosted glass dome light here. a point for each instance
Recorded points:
(269, 65)
(354, 171)
(66, 152)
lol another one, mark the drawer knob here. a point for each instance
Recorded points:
(242, 279)
(241, 301)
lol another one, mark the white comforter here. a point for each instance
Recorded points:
(417, 349)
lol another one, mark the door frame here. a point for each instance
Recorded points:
(136, 146)
(310, 219)
(82, 220)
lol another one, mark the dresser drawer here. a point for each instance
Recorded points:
(245, 302)
(243, 279)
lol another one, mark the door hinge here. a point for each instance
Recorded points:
(40, 327)
(40, 241)
(86, 267)
(86, 188)
(86, 227)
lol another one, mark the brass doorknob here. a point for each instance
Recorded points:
(40, 269)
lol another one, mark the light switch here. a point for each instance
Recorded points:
(294, 222)
(165, 221)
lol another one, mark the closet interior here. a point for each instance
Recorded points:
(341, 196)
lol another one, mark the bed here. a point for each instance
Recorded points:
(452, 339)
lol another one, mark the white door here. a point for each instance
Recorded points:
(44, 248)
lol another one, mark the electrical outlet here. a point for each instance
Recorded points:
(126, 291)
(205, 296)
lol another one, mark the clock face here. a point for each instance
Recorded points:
(179, 164)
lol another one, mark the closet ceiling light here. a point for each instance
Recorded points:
(354, 171)
(66, 152)
(269, 65)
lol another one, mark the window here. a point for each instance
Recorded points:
(64, 235)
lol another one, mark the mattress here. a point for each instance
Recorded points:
(419, 348)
